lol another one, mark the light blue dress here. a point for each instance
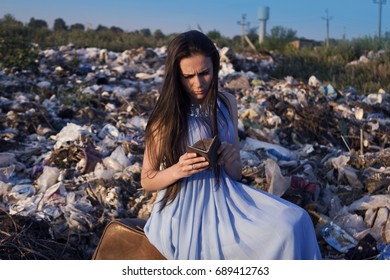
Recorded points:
(232, 221)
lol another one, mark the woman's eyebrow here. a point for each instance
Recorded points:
(192, 73)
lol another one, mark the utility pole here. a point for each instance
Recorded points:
(243, 24)
(327, 18)
(380, 3)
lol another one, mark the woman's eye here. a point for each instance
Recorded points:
(190, 76)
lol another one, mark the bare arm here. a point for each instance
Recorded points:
(188, 164)
(229, 154)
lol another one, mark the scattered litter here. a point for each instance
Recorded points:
(71, 150)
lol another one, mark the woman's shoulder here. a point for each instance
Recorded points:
(227, 97)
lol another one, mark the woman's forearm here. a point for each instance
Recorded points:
(188, 164)
(154, 180)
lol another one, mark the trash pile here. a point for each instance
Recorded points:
(71, 150)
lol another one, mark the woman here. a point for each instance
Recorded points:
(202, 211)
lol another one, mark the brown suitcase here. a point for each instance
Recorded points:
(125, 239)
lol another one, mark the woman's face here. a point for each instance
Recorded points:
(196, 76)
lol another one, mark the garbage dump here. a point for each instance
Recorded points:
(71, 150)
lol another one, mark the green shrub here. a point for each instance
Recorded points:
(18, 53)
(333, 65)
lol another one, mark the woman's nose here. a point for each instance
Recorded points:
(197, 81)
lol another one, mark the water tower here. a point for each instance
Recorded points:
(263, 17)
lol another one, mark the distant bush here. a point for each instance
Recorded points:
(333, 65)
(18, 54)
(16, 49)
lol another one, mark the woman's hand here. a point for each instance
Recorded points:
(188, 164)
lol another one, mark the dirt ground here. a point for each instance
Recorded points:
(22, 238)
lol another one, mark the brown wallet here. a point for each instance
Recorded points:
(206, 148)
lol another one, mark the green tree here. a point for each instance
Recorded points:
(279, 38)
(77, 26)
(146, 32)
(218, 39)
(9, 21)
(59, 25)
(158, 34)
(282, 33)
(214, 35)
(13, 31)
(101, 28)
(37, 24)
(116, 29)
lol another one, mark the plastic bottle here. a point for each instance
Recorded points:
(338, 238)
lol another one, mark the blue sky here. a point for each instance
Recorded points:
(352, 18)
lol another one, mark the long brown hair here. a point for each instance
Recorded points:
(168, 119)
